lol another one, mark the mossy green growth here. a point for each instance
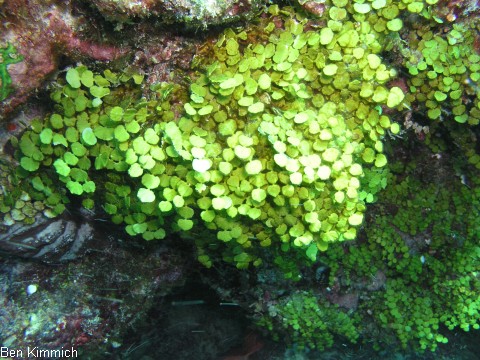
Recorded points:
(307, 322)
(419, 254)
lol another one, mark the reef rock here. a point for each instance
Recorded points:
(88, 305)
(193, 13)
(48, 240)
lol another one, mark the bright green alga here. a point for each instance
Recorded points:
(281, 124)
(8, 55)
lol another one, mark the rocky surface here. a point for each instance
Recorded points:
(49, 240)
(192, 13)
(90, 304)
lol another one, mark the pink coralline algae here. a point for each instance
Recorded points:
(42, 32)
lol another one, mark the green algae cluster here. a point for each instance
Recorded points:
(22, 202)
(273, 154)
(56, 155)
(443, 66)
(386, 16)
(440, 58)
(294, 112)
(416, 267)
(8, 55)
(445, 70)
(270, 150)
(431, 261)
(309, 323)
